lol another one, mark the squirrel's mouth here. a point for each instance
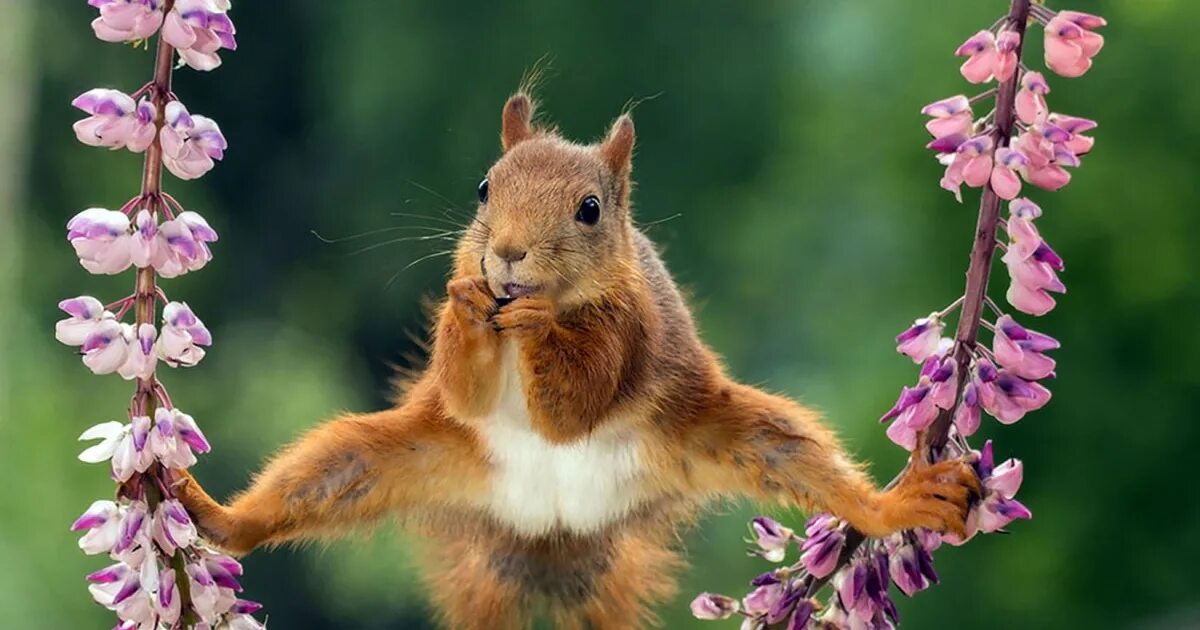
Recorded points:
(513, 290)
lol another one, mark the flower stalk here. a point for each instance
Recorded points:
(164, 576)
(960, 379)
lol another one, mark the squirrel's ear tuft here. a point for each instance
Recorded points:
(617, 148)
(516, 123)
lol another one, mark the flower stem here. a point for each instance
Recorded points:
(983, 250)
(146, 291)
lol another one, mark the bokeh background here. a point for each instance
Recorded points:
(782, 136)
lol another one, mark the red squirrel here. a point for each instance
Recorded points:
(570, 420)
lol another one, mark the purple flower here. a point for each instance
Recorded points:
(190, 143)
(127, 20)
(1006, 396)
(997, 507)
(910, 564)
(198, 29)
(114, 120)
(182, 335)
(820, 551)
(1032, 264)
(918, 406)
(1020, 350)
(763, 598)
(921, 340)
(710, 606)
(771, 537)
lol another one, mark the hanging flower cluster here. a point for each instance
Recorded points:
(163, 575)
(960, 379)
(196, 29)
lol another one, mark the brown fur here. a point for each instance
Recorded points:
(605, 338)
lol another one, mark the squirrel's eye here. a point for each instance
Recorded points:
(483, 190)
(589, 210)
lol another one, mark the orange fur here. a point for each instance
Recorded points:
(604, 345)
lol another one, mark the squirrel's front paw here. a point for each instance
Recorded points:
(471, 301)
(527, 317)
(934, 496)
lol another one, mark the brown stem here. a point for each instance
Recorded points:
(934, 438)
(146, 290)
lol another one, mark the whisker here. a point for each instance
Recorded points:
(352, 237)
(411, 264)
(445, 236)
(428, 218)
(657, 221)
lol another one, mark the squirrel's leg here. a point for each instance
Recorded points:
(745, 441)
(345, 473)
(465, 359)
(570, 370)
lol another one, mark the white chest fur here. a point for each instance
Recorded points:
(536, 485)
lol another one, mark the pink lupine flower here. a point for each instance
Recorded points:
(966, 416)
(199, 29)
(761, 599)
(1006, 396)
(101, 240)
(190, 143)
(997, 507)
(114, 120)
(85, 313)
(951, 117)
(1020, 350)
(971, 163)
(102, 520)
(1076, 143)
(183, 245)
(1006, 55)
(918, 406)
(820, 550)
(127, 20)
(172, 528)
(922, 339)
(1071, 44)
(124, 444)
(1031, 98)
(981, 48)
(711, 606)
(771, 538)
(1004, 178)
(182, 335)
(1044, 170)
(1032, 264)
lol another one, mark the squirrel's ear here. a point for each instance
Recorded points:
(516, 123)
(617, 148)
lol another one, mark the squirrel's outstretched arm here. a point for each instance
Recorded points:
(744, 441)
(345, 473)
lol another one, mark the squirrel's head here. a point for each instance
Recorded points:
(553, 216)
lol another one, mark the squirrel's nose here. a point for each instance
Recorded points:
(509, 253)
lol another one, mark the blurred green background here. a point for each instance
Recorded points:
(785, 135)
